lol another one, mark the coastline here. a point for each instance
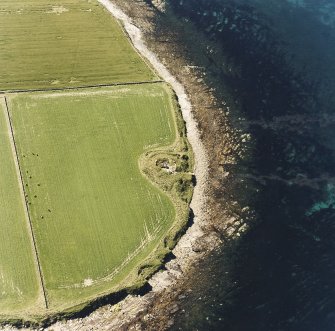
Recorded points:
(183, 250)
(223, 268)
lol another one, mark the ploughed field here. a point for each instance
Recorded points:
(92, 179)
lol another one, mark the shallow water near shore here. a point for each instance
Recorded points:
(281, 275)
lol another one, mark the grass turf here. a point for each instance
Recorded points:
(92, 208)
(64, 43)
(19, 282)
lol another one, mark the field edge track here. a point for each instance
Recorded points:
(23, 194)
(79, 87)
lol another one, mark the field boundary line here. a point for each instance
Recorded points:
(80, 87)
(23, 195)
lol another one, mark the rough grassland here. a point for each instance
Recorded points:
(92, 208)
(19, 282)
(64, 43)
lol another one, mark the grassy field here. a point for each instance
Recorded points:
(95, 182)
(19, 279)
(95, 215)
(64, 43)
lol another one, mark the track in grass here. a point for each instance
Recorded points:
(65, 43)
(95, 216)
(20, 288)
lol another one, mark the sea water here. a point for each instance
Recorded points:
(281, 275)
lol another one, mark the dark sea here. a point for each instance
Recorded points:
(281, 275)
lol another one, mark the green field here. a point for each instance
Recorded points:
(19, 282)
(64, 43)
(95, 181)
(90, 205)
